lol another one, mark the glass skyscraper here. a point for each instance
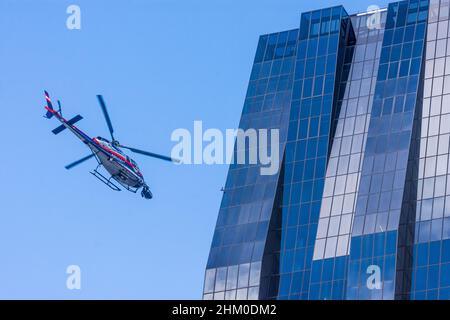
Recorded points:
(360, 205)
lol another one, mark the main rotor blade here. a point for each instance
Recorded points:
(151, 154)
(74, 164)
(106, 114)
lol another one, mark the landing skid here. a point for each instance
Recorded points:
(105, 180)
(131, 189)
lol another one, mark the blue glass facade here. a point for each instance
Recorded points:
(235, 264)
(360, 206)
(324, 35)
(384, 204)
(431, 277)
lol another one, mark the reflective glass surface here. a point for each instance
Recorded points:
(360, 208)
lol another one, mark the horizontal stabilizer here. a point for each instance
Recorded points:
(70, 122)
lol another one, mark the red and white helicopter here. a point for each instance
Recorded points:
(108, 154)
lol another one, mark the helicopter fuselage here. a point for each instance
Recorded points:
(119, 165)
(121, 168)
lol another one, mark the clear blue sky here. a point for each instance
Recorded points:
(160, 64)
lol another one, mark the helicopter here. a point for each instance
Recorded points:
(122, 169)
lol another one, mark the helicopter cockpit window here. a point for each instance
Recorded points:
(102, 139)
(133, 163)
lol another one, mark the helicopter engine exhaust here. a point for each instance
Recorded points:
(146, 193)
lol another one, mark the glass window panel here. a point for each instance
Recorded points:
(255, 273)
(446, 229)
(339, 128)
(343, 165)
(352, 106)
(322, 229)
(330, 249)
(365, 86)
(426, 107)
(439, 67)
(438, 208)
(428, 188)
(427, 88)
(230, 295)
(424, 231)
(447, 65)
(441, 48)
(429, 68)
(349, 126)
(253, 293)
(437, 86)
(342, 245)
(243, 275)
(319, 249)
(368, 69)
(349, 203)
(358, 226)
(442, 29)
(430, 49)
(352, 180)
(369, 223)
(444, 141)
(394, 218)
(439, 190)
(346, 145)
(430, 167)
(433, 11)
(436, 230)
(337, 205)
(336, 147)
(210, 279)
(426, 210)
(354, 88)
(446, 89)
(363, 103)
(432, 146)
(325, 209)
(241, 294)
(435, 107)
(346, 223)
(357, 70)
(357, 144)
(333, 228)
(432, 31)
(441, 166)
(232, 277)
(332, 167)
(382, 222)
(360, 124)
(221, 277)
(443, 11)
(445, 121)
(448, 186)
(329, 186)
(340, 185)
(446, 104)
(354, 163)
(424, 130)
